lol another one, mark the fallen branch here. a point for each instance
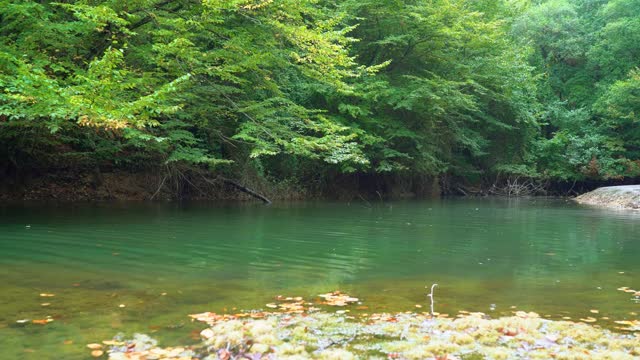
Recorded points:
(241, 188)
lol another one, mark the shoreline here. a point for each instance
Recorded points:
(152, 185)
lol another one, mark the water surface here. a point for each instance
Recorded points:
(163, 261)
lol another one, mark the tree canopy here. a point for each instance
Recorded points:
(302, 89)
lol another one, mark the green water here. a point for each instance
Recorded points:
(164, 261)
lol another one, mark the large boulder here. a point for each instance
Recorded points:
(621, 197)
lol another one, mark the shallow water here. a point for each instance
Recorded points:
(163, 261)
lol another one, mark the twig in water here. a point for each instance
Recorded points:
(368, 204)
(430, 296)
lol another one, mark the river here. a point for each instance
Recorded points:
(142, 267)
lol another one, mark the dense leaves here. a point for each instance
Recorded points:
(587, 52)
(310, 89)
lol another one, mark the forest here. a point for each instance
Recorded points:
(385, 96)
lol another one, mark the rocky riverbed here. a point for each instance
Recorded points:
(390, 336)
(292, 328)
(620, 197)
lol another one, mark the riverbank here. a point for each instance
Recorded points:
(122, 185)
(95, 185)
(618, 197)
(296, 334)
(190, 184)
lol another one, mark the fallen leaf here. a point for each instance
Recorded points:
(97, 353)
(94, 346)
(521, 314)
(195, 335)
(508, 332)
(624, 322)
(224, 354)
(593, 311)
(588, 319)
(633, 325)
(47, 295)
(337, 298)
(112, 343)
(524, 314)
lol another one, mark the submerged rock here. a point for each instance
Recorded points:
(322, 335)
(620, 197)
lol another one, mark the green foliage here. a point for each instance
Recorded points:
(585, 50)
(619, 108)
(456, 89)
(421, 87)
